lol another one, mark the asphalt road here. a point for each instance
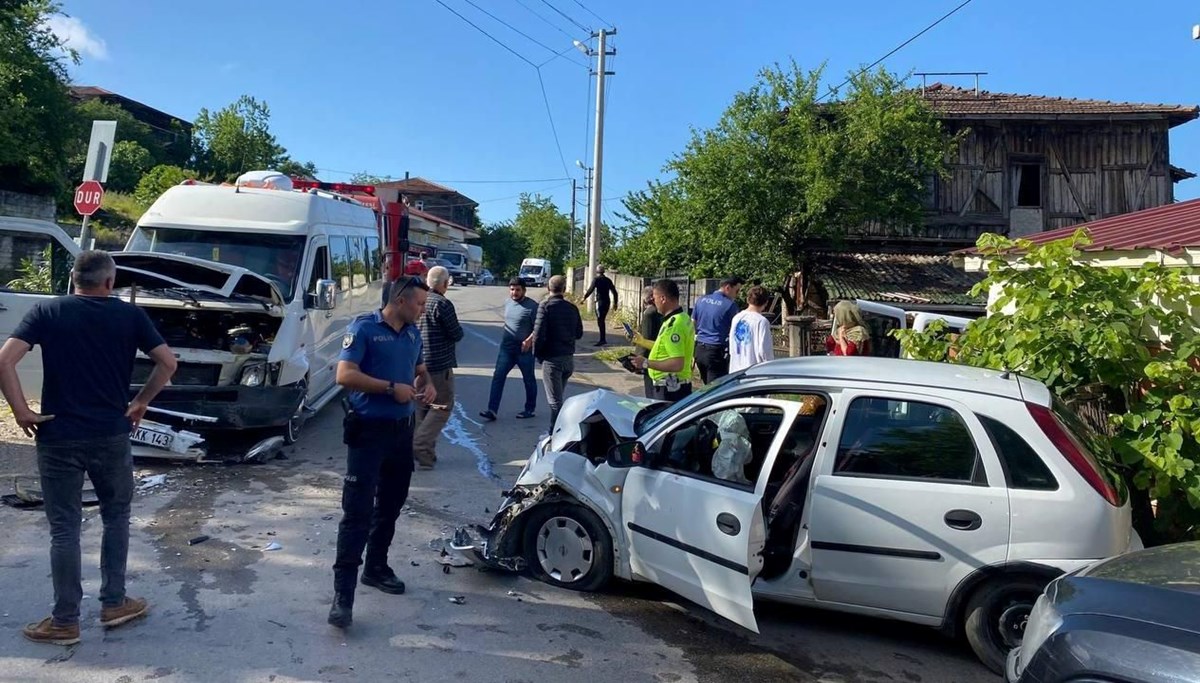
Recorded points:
(229, 609)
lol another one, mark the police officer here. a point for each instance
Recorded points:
(669, 365)
(713, 318)
(382, 366)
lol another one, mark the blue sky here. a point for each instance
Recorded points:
(408, 86)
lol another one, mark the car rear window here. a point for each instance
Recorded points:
(895, 439)
(1094, 446)
(1023, 467)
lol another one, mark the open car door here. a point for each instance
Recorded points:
(691, 526)
(36, 258)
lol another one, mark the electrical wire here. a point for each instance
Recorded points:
(898, 48)
(522, 33)
(589, 11)
(566, 16)
(537, 68)
(549, 23)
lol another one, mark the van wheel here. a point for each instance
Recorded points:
(995, 618)
(566, 545)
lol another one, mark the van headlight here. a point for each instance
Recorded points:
(1043, 621)
(254, 374)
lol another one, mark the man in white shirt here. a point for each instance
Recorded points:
(750, 339)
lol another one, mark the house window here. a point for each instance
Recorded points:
(420, 205)
(1028, 184)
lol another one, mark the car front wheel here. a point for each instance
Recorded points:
(995, 617)
(567, 545)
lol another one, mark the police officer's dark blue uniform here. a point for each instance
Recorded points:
(378, 432)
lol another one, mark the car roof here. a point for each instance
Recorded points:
(905, 372)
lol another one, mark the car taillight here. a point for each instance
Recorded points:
(1082, 461)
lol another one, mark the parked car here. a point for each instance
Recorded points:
(486, 277)
(937, 494)
(1131, 618)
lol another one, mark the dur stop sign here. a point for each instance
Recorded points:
(88, 196)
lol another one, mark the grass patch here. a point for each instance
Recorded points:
(614, 353)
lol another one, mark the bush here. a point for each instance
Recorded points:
(1077, 327)
(157, 181)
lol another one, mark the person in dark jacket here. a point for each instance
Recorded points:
(650, 325)
(604, 290)
(557, 328)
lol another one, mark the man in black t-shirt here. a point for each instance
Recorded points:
(89, 341)
(606, 299)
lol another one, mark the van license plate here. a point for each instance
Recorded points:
(156, 439)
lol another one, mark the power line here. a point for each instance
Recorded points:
(566, 16)
(472, 181)
(589, 11)
(537, 68)
(519, 31)
(553, 128)
(898, 48)
(549, 23)
(494, 39)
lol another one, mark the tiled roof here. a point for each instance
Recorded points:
(1166, 228)
(951, 102)
(902, 279)
(419, 186)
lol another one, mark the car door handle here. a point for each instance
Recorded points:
(963, 520)
(3, 307)
(728, 524)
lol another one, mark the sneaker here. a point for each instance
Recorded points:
(488, 415)
(425, 466)
(132, 608)
(525, 415)
(46, 632)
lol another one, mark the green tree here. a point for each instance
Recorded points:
(503, 248)
(781, 171)
(364, 178)
(543, 228)
(130, 161)
(157, 181)
(35, 110)
(165, 146)
(236, 139)
(295, 169)
(1084, 329)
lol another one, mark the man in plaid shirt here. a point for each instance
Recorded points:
(440, 332)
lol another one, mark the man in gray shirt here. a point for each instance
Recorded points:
(516, 348)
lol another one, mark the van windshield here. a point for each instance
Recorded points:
(275, 257)
(531, 270)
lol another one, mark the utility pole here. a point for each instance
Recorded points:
(593, 243)
(571, 237)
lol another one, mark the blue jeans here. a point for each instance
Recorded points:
(108, 462)
(505, 360)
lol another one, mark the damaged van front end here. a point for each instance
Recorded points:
(241, 367)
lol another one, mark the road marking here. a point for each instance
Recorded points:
(480, 335)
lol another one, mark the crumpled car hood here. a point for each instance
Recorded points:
(150, 270)
(618, 410)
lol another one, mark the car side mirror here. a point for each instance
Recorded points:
(325, 298)
(628, 454)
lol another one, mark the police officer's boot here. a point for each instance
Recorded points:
(341, 613)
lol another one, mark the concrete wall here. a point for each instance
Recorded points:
(26, 206)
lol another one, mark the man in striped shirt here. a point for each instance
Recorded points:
(440, 332)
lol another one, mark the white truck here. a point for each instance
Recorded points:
(535, 272)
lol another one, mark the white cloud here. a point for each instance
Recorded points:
(75, 35)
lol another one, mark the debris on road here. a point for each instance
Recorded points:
(198, 540)
(272, 546)
(152, 481)
(459, 600)
(27, 494)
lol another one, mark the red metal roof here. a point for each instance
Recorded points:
(952, 102)
(1166, 228)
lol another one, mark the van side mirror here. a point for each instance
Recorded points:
(628, 454)
(325, 298)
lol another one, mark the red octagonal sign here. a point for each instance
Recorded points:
(88, 196)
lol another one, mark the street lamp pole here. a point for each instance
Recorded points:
(597, 170)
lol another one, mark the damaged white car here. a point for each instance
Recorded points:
(936, 494)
